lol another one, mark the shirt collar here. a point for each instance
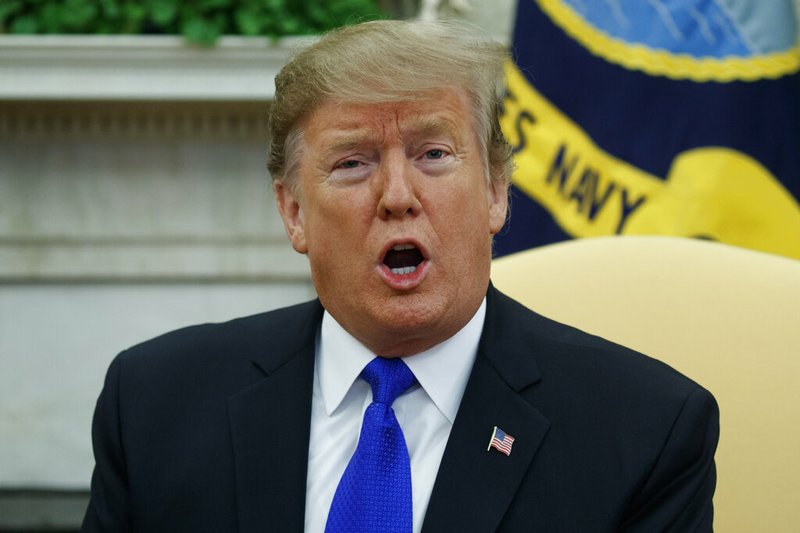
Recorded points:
(442, 371)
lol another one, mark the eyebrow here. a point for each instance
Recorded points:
(348, 142)
(435, 126)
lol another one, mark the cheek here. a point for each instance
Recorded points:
(336, 237)
(473, 205)
(463, 219)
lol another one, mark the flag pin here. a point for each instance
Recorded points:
(500, 441)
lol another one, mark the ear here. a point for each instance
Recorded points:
(292, 214)
(498, 205)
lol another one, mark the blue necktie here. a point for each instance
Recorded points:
(374, 494)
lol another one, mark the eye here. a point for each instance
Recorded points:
(350, 163)
(350, 169)
(435, 154)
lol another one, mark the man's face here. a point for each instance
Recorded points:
(396, 214)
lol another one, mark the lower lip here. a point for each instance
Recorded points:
(403, 282)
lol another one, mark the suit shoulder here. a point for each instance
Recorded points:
(276, 329)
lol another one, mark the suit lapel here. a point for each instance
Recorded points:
(474, 487)
(270, 424)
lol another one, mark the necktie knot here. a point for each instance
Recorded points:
(389, 378)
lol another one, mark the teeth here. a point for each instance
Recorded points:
(400, 247)
(404, 270)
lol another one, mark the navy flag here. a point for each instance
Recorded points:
(656, 117)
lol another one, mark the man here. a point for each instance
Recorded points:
(391, 174)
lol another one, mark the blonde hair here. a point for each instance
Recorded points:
(390, 61)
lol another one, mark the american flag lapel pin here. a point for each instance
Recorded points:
(500, 441)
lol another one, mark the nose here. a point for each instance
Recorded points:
(398, 196)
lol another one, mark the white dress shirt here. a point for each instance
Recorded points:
(425, 412)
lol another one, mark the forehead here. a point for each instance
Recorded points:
(444, 112)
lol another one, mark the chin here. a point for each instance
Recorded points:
(411, 314)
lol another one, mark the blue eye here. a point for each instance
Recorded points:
(350, 163)
(435, 154)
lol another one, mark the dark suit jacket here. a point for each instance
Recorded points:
(207, 428)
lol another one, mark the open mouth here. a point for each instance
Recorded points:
(403, 259)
